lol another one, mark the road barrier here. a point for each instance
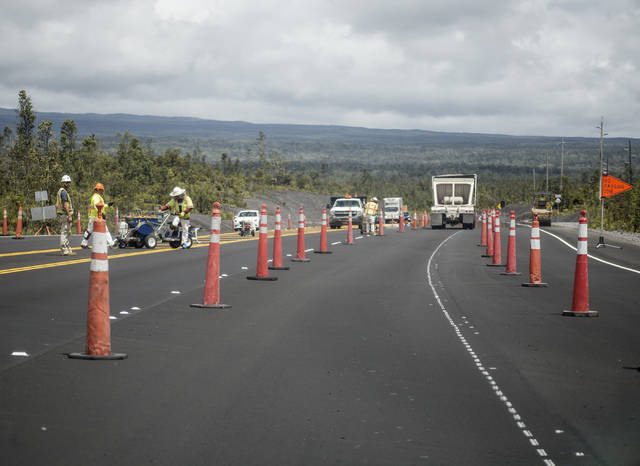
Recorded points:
(98, 343)
(19, 225)
(211, 297)
(489, 249)
(301, 257)
(483, 228)
(535, 275)
(350, 229)
(262, 268)
(497, 249)
(511, 247)
(580, 303)
(4, 222)
(323, 234)
(380, 222)
(276, 263)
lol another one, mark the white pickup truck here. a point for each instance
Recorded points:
(339, 212)
(454, 199)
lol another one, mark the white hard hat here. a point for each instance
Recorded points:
(374, 199)
(66, 179)
(177, 191)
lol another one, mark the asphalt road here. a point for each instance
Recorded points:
(405, 349)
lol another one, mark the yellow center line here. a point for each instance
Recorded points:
(131, 254)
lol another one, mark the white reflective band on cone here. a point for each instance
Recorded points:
(535, 232)
(278, 226)
(582, 247)
(278, 218)
(263, 219)
(263, 229)
(512, 232)
(582, 230)
(99, 243)
(215, 223)
(301, 225)
(214, 238)
(535, 243)
(99, 265)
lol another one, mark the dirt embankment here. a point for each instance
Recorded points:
(289, 202)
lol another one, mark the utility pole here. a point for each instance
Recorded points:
(547, 185)
(601, 243)
(630, 170)
(561, 162)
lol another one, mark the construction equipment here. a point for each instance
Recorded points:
(542, 206)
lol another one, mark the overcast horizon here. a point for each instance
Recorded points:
(544, 68)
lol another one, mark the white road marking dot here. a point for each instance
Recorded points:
(224, 275)
(579, 453)
(288, 255)
(541, 452)
(533, 442)
(337, 242)
(135, 308)
(558, 431)
(175, 292)
(20, 353)
(124, 312)
(247, 268)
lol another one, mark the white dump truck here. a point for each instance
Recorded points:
(391, 207)
(454, 199)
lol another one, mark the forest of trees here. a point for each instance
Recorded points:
(33, 157)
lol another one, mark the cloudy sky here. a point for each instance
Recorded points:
(539, 67)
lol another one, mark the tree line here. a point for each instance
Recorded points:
(137, 178)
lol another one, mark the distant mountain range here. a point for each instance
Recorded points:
(106, 126)
(352, 147)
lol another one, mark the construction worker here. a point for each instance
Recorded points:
(93, 215)
(64, 209)
(370, 211)
(181, 206)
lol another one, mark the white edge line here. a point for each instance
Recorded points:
(588, 255)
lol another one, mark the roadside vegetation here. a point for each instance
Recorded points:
(138, 177)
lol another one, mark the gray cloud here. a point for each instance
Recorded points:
(521, 67)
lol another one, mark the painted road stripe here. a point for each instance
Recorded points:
(495, 387)
(588, 255)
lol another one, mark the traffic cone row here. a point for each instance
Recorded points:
(19, 225)
(276, 263)
(211, 297)
(301, 256)
(262, 268)
(580, 303)
(98, 341)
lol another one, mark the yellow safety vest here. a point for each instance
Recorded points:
(371, 208)
(95, 200)
(59, 208)
(176, 207)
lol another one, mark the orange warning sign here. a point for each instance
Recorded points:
(612, 186)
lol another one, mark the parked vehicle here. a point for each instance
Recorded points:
(251, 216)
(146, 230)
(454, 198)
(339, 212)
(391, 207)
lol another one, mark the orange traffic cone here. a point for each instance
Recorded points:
(323, 234)
(415, 220)
(301, 256)
(117, 220)
(511, 247)
(4, 222)
(98, 344)
(535, 275)
(276, 263)
(580, 304)
(212, 274)
(497, 251)
(401, 222)
(79, 224)
(289, 221)
(489, 249)
(262, 268)
(350, 230)
(19, 225)
(483, 228)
